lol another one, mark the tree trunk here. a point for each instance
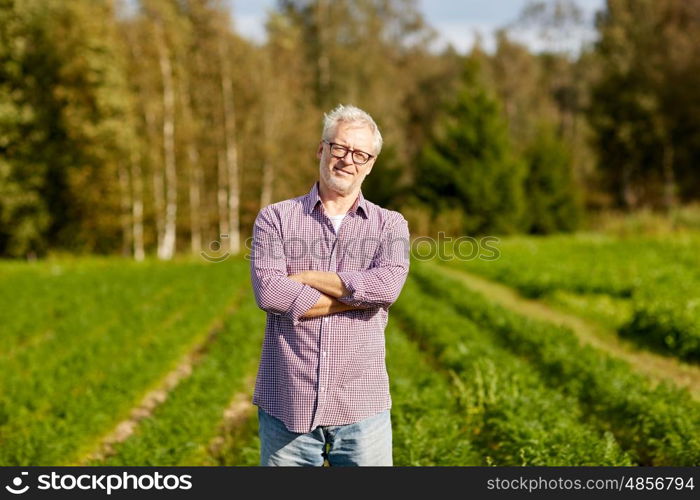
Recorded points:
(195, 169)
(135, 159)
(629, 195)
(156, 173)
(221, 197)
(669, 196)
(137, 208)
(269, 105)
(167, 249)
(195, 200)
(157, 179)
(125, 202)
(229, 119)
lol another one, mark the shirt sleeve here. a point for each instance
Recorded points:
(381, 284)
(274, 292)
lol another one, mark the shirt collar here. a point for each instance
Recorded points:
(313, 200)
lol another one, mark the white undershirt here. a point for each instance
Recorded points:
(336, 220)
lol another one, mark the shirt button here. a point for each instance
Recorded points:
(324, 354)
(325, 319)
(323, 389)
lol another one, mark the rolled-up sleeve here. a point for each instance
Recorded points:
(381, 284)
(274, 292)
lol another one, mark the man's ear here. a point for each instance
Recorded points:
(319, 151)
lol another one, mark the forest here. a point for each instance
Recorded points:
(556, 323)
(152, 127)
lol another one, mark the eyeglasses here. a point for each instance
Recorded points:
(340, 151)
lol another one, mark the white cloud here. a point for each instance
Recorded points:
(251, 26)
(463, 34)
(457, 22)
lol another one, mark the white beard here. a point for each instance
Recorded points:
(338, 185)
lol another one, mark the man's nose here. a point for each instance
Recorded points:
(347, 159)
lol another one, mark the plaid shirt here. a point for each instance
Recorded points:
(328, 370)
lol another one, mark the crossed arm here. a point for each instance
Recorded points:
(331, 287)
(311, 294)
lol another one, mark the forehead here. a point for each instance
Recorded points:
(358, 135)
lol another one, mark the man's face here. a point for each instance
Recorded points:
(343, 175)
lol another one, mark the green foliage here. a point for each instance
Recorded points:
(644, 116)
(607, 310)
(384, 185)
(513, 418)
(667, 318)
(83, 121)
(84, 339)
(553, 203)
(24, 215)
(469, 164)
(580, 264)
(659, 424)
(661, 292)
(63, 100)
(181, 430)
(430, 425)
(83, 342)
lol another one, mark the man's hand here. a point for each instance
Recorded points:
(323, 281)
(332, 288)
(327, 305)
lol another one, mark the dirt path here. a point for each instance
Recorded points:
(655, 366)
(157, 396)
(238, 411)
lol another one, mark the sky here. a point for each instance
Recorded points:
(456, 21)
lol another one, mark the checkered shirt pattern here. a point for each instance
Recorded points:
(328, 370)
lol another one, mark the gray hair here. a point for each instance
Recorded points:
(350, 114)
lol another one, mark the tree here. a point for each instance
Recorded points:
(553, 21)
(553, 202)
(469, 164)
(290, 120)
(73, 97)
(374, 54)
(645, 103)
(24, 215)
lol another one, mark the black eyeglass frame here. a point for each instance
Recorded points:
(348, 150)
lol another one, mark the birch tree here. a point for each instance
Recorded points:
(230, 156)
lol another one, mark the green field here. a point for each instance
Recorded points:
(106, 361)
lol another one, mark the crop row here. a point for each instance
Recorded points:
(426, 431)
(181, 429)
(586, 263)
(105, 352)
(512, 416)
(426, 422)
(661, 278)
(667, 319)
(52, 303)
(661, 424)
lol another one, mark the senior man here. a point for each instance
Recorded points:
(325, 267)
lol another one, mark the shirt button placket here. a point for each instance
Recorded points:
(323, 361)
(324, 364)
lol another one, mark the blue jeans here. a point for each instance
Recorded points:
(367, 442)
